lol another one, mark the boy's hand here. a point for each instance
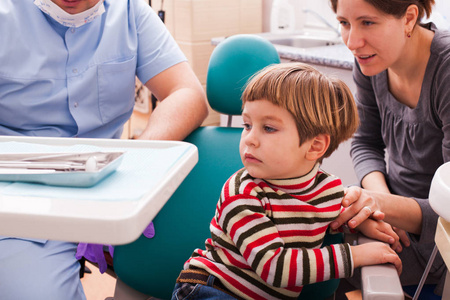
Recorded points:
(375, 253)
(382, 231)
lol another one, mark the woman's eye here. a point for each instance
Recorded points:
(343, 23)
(367, 23)
(269, 129)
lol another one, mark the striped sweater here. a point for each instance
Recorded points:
(266, 235)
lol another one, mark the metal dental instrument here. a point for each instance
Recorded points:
(88, 162)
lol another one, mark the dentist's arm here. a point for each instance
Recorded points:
(182, 106)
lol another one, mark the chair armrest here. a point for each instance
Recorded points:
(379, 281)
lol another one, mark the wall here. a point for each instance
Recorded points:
(441, 15)
(302, 19)
(193, 23)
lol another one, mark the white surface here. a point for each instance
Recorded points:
(101, 214)
(282, 16)
(440, 191)
(442, 239)
(380, 282)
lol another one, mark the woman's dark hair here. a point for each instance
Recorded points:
(397, 8)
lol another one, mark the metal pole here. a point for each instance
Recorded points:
(425, 273)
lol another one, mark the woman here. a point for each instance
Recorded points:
(402, 73)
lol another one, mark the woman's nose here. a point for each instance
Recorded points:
(353, 39)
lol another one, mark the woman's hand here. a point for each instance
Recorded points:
(375, 253)
(359, 205)
(404, 239)
(382, 231)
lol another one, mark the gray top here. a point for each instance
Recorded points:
(417, 140)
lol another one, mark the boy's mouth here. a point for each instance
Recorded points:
(250, 158)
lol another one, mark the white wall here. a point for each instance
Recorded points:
(320, 6)
(441, 14)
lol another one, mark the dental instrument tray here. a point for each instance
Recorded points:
(83, 169)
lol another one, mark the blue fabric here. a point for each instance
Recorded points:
(31, 270)
(59, 81)
(62, 82)
(427, 292)
(199, 291)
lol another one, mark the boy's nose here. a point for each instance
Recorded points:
(251, 139)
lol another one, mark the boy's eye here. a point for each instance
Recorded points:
(269, 129)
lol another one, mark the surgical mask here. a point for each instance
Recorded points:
(66, 19)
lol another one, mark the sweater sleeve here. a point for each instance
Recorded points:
(367, 147)
(243, 218)
(439, 100)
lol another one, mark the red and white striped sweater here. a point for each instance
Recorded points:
(267, 235)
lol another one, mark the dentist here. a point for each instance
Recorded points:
(67, 69)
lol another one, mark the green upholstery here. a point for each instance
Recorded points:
(231, 65)
(152, 266)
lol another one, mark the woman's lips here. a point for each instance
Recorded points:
(364, 59)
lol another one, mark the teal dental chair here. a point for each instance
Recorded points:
(151, 266)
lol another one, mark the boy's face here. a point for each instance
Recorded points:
(269, 144)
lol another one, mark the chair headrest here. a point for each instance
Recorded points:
(231, 64)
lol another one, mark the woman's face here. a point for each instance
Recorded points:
(75, 6)
(376, 39)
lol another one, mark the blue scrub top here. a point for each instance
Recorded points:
(77, 82)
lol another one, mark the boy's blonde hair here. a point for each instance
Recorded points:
(319, 104)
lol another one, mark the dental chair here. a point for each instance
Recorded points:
(440, 202)
(439, 198)
(151, 266)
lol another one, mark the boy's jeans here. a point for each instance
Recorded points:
(199, 291)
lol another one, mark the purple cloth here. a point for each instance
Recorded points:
(94, 252)
(149, 232)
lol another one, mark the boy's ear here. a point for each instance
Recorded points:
(319, 145)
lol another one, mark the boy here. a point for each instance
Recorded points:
(272, 215)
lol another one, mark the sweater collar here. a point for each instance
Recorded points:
(297, 183)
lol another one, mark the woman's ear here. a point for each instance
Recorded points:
(319, 145)
(411, 15)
